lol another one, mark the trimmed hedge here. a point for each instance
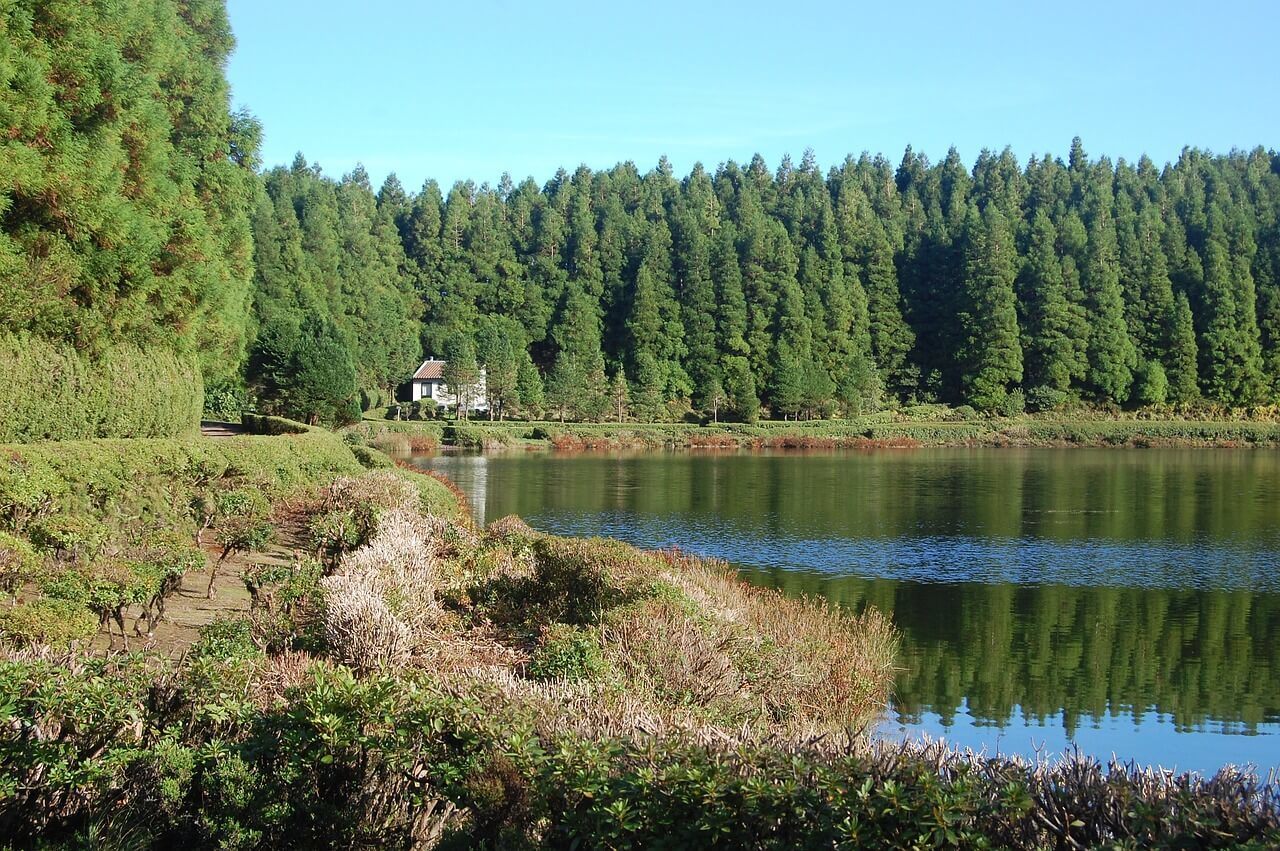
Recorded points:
(107, 480)
(261, 424)
(50, 391)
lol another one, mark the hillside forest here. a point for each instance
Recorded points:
(138, 227)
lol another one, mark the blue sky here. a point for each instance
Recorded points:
(473, 88)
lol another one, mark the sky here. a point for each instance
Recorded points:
(473, 88)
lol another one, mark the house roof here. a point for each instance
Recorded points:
(430, 369)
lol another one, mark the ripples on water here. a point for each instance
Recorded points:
(1125, 602)
(1020, 561)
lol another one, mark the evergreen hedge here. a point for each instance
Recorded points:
(51, 391)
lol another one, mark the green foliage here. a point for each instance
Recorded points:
(566, 653)
(992, 356)
(788, 289)
(1151, 385)
(388, 761)
(304, 371)
(18, 563)
(223, 402)
(52, 622)
(51, 391)
(128, 183)
(258, 424)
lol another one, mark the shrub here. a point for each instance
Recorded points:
(224, 402)
(1045, 398)
(52, 622)
(18, 563)
(286, 604)
(381, 604)
(121, 391)
(1151, 384)
(273, 426)
(1013, 403)
(69, 536)
(566, 653)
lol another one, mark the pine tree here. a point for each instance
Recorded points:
(1181, 354)
(321, 382)
(992, 354)
(1112, 355)
(1045, 316)
(891, 337)
(697, 307)
(499, 350)
(859, 390)
(740, 386)
(564, 383)
(529, 388)
(619, 395)
(461, 373)
(1217, 342)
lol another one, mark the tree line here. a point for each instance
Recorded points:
(793, 292)
(136, 213)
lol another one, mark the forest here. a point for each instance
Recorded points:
(792, 292)
(138, 218)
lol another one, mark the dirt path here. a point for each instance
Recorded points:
(188, 609)
(212, 429)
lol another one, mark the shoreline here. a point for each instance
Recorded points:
(874, 432)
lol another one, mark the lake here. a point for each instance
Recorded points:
(1123, 602)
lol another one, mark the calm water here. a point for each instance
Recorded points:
(1121, 601)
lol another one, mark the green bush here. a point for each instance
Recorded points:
(393, 761)
(1045, 398)
(372, 459)
(1013, 404)
(566, 653)
(69, 536)
(265, 425)
(224, 402)
(18, 563)
(46, 621)
(51, 391)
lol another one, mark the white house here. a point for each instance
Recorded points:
(428, 383)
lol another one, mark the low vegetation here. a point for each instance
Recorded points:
(911, 426)
(110, 527)
(51, 391)
(409, 680)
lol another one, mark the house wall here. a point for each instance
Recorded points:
(435, 390)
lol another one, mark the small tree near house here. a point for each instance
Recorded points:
(461, 373)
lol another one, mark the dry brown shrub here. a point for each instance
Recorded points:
(380, 605)
(361, 629)
(713, 441)
(380, 489)
(567, 443)
(510, 526)
(813, 666)
(423, 443)
(668, 653)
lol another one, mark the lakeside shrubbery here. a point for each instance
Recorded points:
(436, 686)
(110, 527)
(423, 683)
(397, 673)
(922, 425)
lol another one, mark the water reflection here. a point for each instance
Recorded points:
(1123, 601)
